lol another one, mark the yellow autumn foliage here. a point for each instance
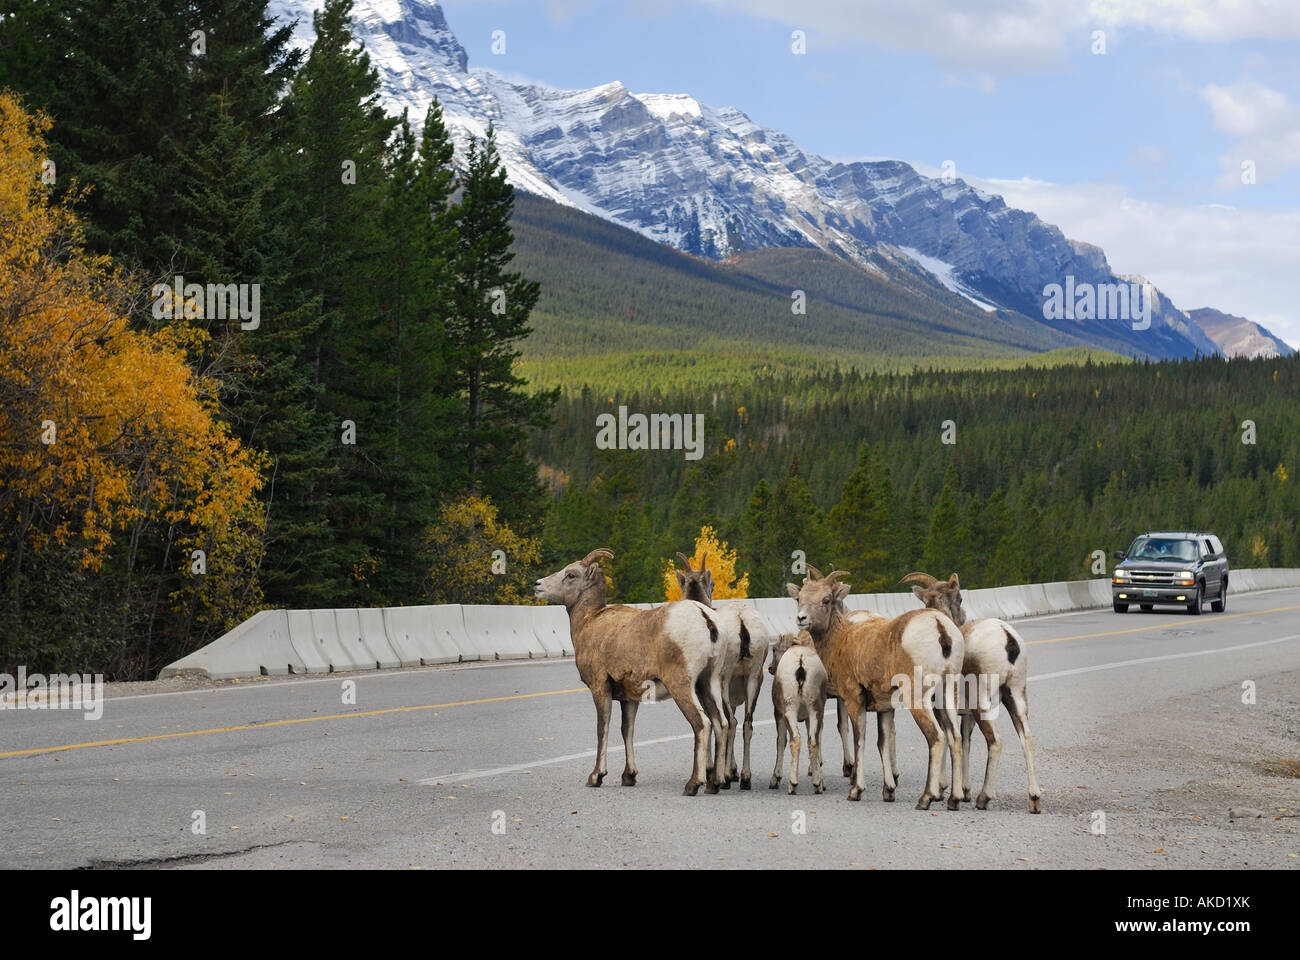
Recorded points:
(104, 428)
(477, 558)
(721, 561)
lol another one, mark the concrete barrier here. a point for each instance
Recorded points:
(502, 632)
(258, 646)
(551, 624)
(281, 642)
(427, 635)
(362, 630)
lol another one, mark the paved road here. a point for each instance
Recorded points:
(1138, 718)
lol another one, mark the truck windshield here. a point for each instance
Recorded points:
(1156, 548)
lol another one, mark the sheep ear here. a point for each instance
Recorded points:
(791, 589)
(708, 580)
(681, 579)
(954, 582)
(841, 591)
(919, 591)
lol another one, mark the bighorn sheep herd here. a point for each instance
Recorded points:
(930, 662)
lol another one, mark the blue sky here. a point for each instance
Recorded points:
(1138, 149)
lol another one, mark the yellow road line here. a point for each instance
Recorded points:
(1165, 625)
(281, 723)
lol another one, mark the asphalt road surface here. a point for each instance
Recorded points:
(1145, 737)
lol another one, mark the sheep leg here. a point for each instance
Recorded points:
(858, 717)
(884, 729)
(791, 721)
(842, 722)
(733, 774)
(717, 707)
(924, 717)
(967, 725)
(601, 695)
(891, 732)
(627, 714)
(753, 685)
(815, 747)
(683, 693)
(990, 731)
(1017, 705)
(780, 747)
(950, 722)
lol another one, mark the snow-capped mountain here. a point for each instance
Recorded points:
(711, 182)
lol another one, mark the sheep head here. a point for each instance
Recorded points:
(569, 584)
(696, 584)
(818, 600)
(941, 595)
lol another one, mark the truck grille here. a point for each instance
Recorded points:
(1149, 578)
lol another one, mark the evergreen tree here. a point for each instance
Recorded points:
(490, 318)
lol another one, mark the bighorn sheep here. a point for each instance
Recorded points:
(631, 655)
(798, 693)
(743, 644)
(867, 661)
(994, 659)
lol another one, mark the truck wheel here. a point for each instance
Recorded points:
(1194, 605)
(1119, 607)
(1218, 606)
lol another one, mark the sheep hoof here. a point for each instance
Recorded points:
(965, 797)
(924, 802)
(847, 770)
(953, 802)
(629, 779)
(855, 793)
(692, 788)
(745, 783)
(711, 787)
(819, 787)
(1035, 804)
(982, 801)
(774, 783)
(793, 788)
(724, 783)
(595, 779)
(887, 795)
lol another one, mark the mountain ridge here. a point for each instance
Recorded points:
(711, 182)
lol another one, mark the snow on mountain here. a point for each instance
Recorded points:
(711, 182)
(945, 273)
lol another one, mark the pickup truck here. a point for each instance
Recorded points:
(1185, 569)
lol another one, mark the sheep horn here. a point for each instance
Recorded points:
(686, 561)
(703, 560)
(924, 579)
(834, 575)
(597, 555)
(813, 572)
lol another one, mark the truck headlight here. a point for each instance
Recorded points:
(1120, 574)
(1184, 574)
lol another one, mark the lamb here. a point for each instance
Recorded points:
(798, 693)
(631, 655)
(745, 636)
(995, 658)
(869, 661)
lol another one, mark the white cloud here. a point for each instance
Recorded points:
(1235, 260)
(1009, 36)
(1266, 125)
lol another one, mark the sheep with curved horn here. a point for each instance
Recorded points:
(636, 656)
(994, 660)
(871, 665)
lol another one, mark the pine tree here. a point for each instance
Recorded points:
(492, 306)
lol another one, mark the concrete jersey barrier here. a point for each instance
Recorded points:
(282, 642)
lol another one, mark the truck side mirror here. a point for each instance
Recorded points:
(1119, 554)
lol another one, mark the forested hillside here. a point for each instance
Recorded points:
(1047, 466)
